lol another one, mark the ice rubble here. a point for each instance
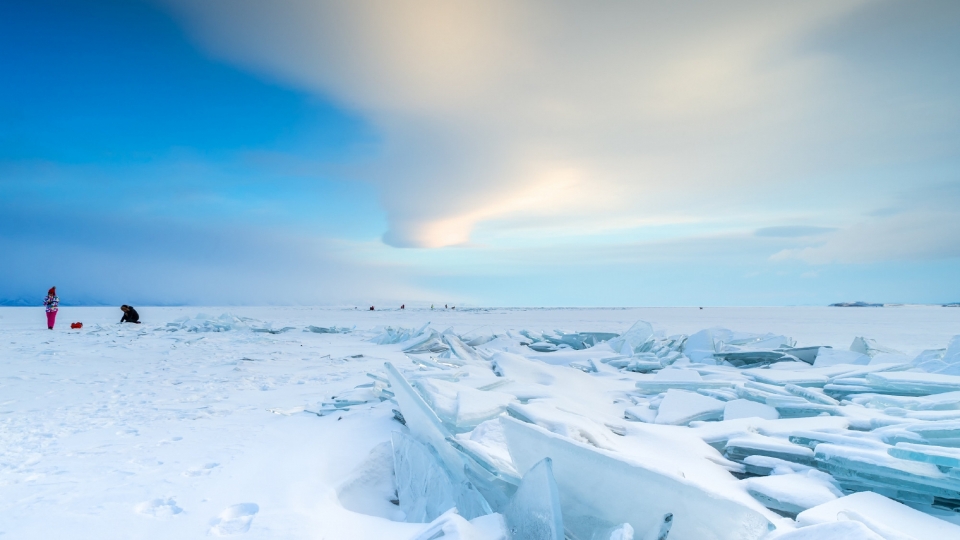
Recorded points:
(224, 323)
(722, 434)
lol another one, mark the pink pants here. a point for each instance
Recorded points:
(51, 318)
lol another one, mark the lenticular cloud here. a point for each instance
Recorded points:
(496, 114)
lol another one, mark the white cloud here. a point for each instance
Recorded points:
(926, 226)
(495, 112)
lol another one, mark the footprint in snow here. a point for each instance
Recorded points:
(201, 471)
(235, 519)
(159, 508)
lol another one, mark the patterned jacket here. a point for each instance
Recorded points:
(52, 303)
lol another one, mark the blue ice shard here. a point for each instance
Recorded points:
(425, 427)
(638, 338)
(534, 512)
(424, 489)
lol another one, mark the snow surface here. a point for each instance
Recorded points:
(186, 426)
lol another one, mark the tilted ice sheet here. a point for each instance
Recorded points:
(598, 484)
(793, 493)
(680, 407)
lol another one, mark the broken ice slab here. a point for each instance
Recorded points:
(387, 335)
(883, 511)
(562, 422)
(827, 357)
(328, 330)
(809, 394)
(848, 371)
(793, 493)
(870, 347)
(460, 349)
(766, 465)
(534, 513)
(946, 362)
(781, 377)
(758, 395)
(874, 467)
(909, 383)
(579, 340)
(799, 408)
(934, 433)
(640, 413)
(723, 394)
(716, 434)
(424, 424)
(930, 416)
(476, 406)
(425, 488)
(642, 366)
(743, 408)
(805, 354)
(705, 344)
(811, 439)
(596, 484)
(421, 419)
(938, 455)
(681, 379)
(638, 338)
(752, 357)
(427, 342)
(460, 407)
(701, 346)
(680, 407)
(429, 363)
(738, 448)
(543, 347)
(769, 388)
(934, 402)
(487, 445)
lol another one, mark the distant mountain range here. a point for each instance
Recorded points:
(19, 302)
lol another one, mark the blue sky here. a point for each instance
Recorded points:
(480, 153)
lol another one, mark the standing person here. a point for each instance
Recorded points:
(52, 303)
(129, 314)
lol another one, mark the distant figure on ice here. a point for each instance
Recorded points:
(371, 308)
(402, 306)
(129, 314)
(52, 303)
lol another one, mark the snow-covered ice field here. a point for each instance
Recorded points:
(153, 431)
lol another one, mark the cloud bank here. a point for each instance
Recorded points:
(611, 115)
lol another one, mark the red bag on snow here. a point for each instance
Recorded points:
(76, 325)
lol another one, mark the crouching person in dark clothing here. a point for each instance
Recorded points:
(129, 314)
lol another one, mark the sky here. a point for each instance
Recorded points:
(480, 153)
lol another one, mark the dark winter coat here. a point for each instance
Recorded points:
(130, 315)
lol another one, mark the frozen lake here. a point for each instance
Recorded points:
(140, 432)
